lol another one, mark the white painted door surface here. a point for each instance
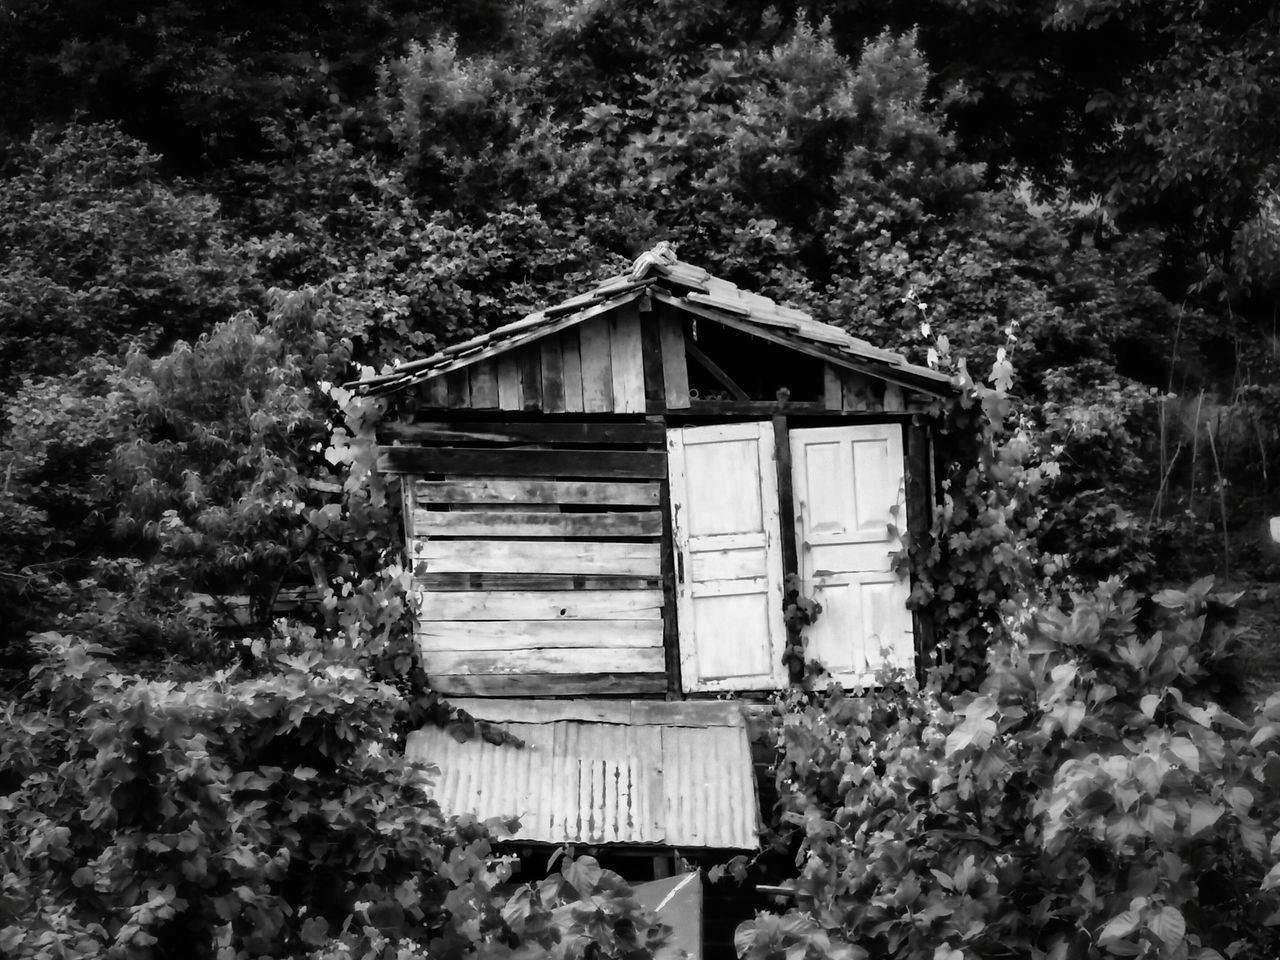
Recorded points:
(724, 506)
(846, 481)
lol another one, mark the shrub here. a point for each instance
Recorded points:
(243, 816)
(1094, 797)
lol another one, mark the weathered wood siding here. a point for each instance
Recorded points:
(851, 392)
(537, 552)
(625, 361)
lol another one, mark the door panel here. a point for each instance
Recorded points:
(847, 480)
(728, 559)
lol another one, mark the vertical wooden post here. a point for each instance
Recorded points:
(655, 393)
(787, 525)
(670, 625)
(920, 502)
(529, 360)
(661, 866)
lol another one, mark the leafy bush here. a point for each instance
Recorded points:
(272, 815)
(1094, 797)
(100, 252)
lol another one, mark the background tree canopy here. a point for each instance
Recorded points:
(212, 213)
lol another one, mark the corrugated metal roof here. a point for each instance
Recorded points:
(595, 772)
(683, 285)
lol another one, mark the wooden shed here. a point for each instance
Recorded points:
(606, 497)
(605, 502)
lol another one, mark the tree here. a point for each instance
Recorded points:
(101, 252)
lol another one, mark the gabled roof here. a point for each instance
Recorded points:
(659, 274)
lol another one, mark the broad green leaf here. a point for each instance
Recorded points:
(1203, 816)
(1119, 926)
(1272, 879)
(1168, 924)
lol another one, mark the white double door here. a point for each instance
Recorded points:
(847, 484)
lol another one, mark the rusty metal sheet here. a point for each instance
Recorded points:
(635, 778)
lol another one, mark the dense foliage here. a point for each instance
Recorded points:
(1091, 798)
(268, 815)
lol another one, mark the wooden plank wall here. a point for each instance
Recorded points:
(537, 551)
(625, 361)
(853, 392)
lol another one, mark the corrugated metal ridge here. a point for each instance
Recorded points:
(657, 780)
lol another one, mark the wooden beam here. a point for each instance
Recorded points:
(627, 357)
(920, 504)
(503, 523)
(596, 432)
(693, 350)
(787, 523)
(670, 631)
(553, 660)
(832, 394)
(577, 558)
(552, 376)
(458, 384)
(508, 383)
(484, 385)
(561, 492)
(675, 366)
(655, 394)
(481, 462)
(880, 372)
(437, 584)
(572, 371)
(529, 360)
(550, 685)
(597, 366)
(554, 606)
(436, 392)
(756, 409)
(786, 496)
(490, 636)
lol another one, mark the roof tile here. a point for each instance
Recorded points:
(684, 280)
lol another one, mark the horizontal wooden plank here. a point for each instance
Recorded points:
(689, 713)
(576, 492)
(548, 556)
(604, 636)
(446, 582)
(559, 660)
(528, 431)
(641, 464)
(550, 685)
(507, 523)
(551, 605)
